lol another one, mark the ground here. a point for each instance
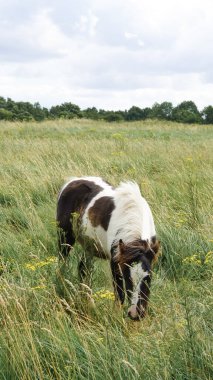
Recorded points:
(47, 335)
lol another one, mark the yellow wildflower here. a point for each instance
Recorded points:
(100, 339)
(52, 259)
(192, 260)
(36, 265)
(118, 154)
(30, 266)
(104, 294)
(117, 136)
(209, 257)
(181, 323)
(38, 287)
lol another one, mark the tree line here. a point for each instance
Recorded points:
(185, 112)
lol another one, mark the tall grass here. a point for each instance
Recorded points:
(45, 336)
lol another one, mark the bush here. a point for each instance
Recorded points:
(5, 114)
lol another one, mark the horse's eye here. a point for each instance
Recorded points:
(145, 267)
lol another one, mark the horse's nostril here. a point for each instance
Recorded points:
(133, 318)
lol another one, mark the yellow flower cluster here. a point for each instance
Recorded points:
(181, 323)
(194, 259)
(209, 257)
(101, 294)
(117, 136)
(35, 265)
(38, 287)
(118, 154)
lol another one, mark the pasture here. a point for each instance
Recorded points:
(50, 330)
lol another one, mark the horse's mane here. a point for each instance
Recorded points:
(129, 211)
(129, 191)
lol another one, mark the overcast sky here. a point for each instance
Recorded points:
(110, 54)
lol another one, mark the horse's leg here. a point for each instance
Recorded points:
(66, 241)
(85, 267)
(117, 282)
(82, 270)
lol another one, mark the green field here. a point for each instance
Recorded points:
(44, 335)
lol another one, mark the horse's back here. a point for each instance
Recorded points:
(74, 197)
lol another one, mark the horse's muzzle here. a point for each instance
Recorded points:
(136, 312)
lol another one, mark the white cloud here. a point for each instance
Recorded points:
(87, 24)
(130, 36)
(108, 54)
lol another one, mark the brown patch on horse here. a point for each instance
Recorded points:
(74, 199)
(128, 253)
(100, 213)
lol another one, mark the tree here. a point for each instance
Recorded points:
(162, 111)
(136, 113)
(39, 113)
(91, 113)
(186, 112)
(113, 116)
(23, 116)
(207, 115)
(102, 113)
(66, 110)
(3, 102)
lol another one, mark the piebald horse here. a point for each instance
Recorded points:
(114, 224)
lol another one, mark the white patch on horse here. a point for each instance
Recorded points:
(98, 234)
(137, 274)
(132, 218)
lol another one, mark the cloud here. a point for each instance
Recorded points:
(110, 54)
(87, 24)
(36, 38)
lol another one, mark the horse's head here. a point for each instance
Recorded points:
(135, 260)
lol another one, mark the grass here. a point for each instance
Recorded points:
(44, 336)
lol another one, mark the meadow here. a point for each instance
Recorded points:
(49, 330)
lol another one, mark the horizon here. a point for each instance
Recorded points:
(98, 109)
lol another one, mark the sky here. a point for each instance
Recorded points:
(111, 54)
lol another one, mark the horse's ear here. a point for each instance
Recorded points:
(120, 252)
(145, 244)
(121, 246)
(155, 248)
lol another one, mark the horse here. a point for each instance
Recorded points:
(114, 224)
